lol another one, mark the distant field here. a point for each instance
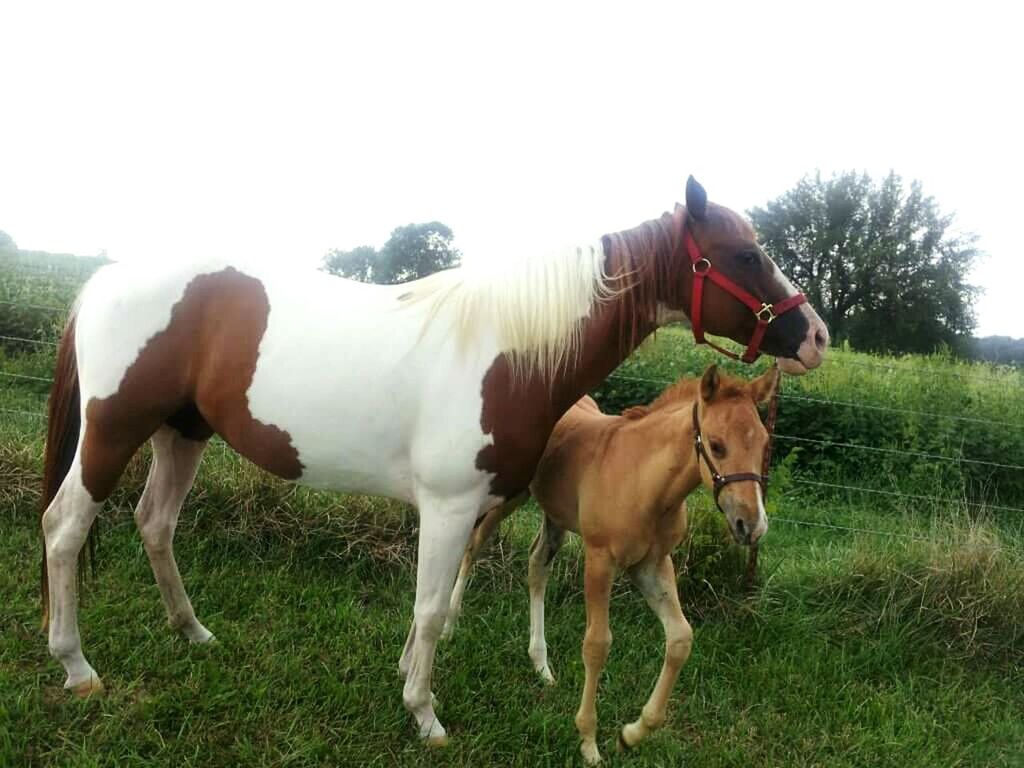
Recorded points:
(886, 631)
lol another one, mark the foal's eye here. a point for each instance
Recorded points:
(717, 449)
(750, 258)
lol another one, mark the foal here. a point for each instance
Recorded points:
(621, 482)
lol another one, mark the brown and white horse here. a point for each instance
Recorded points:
(440, 392)
(621, 483)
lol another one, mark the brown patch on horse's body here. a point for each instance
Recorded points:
(519, 415)
(194, 376)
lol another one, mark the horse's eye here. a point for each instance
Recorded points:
(717, 449)
(750, 258)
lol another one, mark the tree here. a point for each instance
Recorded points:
(412, 252)
(7, 242)
(878, 260)
(357, 264)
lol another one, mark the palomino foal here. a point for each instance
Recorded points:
(621, 482)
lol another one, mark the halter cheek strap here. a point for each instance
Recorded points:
(764, 313)
(719, 480)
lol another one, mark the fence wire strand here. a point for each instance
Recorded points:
(898, 451)
(932, 371)
(46, 307)
(10, 375)
(904, 495)
(29, 341)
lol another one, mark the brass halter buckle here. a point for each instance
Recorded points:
(766, 313)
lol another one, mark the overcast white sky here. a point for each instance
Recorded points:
(158, 131)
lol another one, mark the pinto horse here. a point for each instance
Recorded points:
(621, 483)
(440, 392)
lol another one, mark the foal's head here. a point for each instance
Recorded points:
(735, 440)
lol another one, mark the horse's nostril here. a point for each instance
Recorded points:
(740, 527)
(821, 339)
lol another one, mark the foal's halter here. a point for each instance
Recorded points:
(764, 312)
(720, 480)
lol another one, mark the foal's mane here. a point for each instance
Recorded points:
(684, 392)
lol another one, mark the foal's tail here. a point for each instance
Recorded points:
(63, 425)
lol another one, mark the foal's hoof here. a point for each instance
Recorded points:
(621, 746)
(590, 754)
(91, 687)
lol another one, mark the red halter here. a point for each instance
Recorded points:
(764, 312)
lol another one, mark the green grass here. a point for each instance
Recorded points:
(856, 650)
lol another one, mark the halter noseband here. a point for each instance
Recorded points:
(720, 480)
(763, 311)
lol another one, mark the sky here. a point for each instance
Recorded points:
(279, 131)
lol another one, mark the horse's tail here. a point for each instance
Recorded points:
(63, 425)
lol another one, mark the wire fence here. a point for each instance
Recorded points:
(843, 403)
(40, 416)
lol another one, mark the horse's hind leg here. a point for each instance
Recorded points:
(481, 535)
(657, 582)
(66, 525)
(175, 462)
(546, 544)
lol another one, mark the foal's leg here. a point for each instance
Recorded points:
(597, 587)
(657, 582)
(546, 544)
(66, 524)
(175, 461)
(445, 526)
(481, 535)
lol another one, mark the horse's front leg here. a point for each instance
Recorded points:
(657, 581)
(445, 527)
(597, 586)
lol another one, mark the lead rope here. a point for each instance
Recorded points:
(773, 412)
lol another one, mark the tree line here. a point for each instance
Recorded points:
(878, 259)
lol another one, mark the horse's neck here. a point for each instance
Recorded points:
(665, 437)
(616, 327)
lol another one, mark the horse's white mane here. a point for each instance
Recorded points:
(535, 304)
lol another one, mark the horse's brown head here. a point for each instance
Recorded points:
(731, 441)
(727, 244)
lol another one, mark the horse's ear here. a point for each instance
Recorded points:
(696, 199)
(709, 383)
(636, 412)
(762, 389)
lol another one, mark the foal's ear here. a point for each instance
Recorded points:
(762, 389)
(696, 199)
(709, 383)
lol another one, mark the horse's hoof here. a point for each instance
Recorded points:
(91, 687)
(437, 741)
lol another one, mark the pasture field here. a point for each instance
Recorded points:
(894, 637)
